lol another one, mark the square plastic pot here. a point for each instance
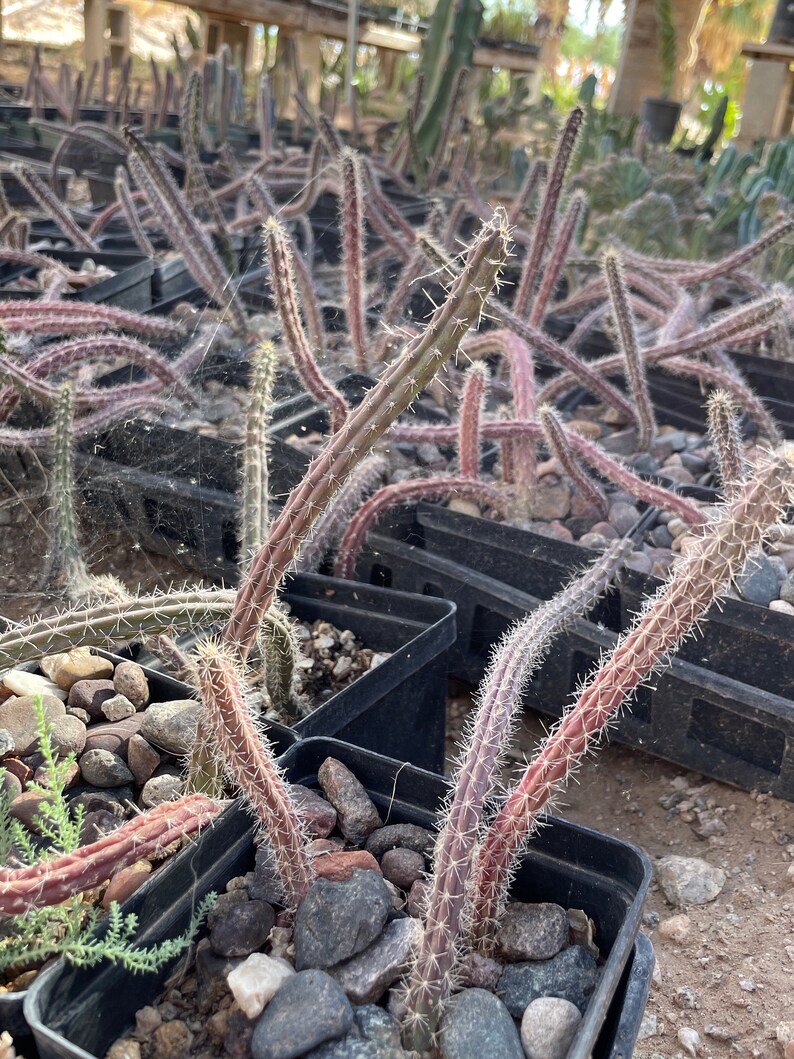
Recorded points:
(565, 863)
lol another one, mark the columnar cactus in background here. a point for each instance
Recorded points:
(352, 225)
(255, 488)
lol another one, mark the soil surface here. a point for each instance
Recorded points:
(725, 971)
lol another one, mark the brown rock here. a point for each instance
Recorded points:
(18, 716)
(89, 695)
(339, 866)
(551, 499)
(113, 735)
(18, 769)
(318, 815)
(141, 758)
(402, 867)
(126, 881)
(358, 816)
(41, 775)
(78, 664)
(130, 680)
(26, 807)
(172, 1040)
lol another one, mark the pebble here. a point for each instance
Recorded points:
(640, 562)
(117, 708)
(171, 726)
(142, 759)
(757, 583)
(172, 1040)
(309, 1009)
(367, 976)
(130, 681)
(689, 1040)
(338, 864)
(18, 717)
(78, 664)
(676, 928)
(689, 880)
(89, 695)
(479, 972)
(464, 507)
(622, 442)
(126, 1049)
(68, 735)
(661, 537)
(113, 735)
(402, 836)
(70, 775)
(336, 920)
(212, 972)
(375, 1035)
(532, 931)
(572, 975)
(595, 541)
(402, 867)
(548, 1027)
(242, 929)
(476, 1023)
(264, 884)
(23, 683)
(787, 589)
(318, 815)
(623, 517)
(10, 786)
(101, 768)
(605, 529)
(164, 787)
(7, 743)
(125, 882)
(256, 980)
(551, 499)
(648, 1027)
(781, 607)
(26, 807)
(357, 815)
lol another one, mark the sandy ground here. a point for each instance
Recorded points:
(726, 970)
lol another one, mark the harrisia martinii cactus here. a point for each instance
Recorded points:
(48, 882)
(559, 447)
(121, 185)
(726, 439)
(255, 490)
(352, 228)
(558, 255)
(630, 348)
(513, 661)
(53, 207)
(469, 432)
(718, 553)
(54, 318)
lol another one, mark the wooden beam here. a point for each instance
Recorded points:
(783, 53)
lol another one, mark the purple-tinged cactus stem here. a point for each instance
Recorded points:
(557, 257)
(726, 438)
(469, 437)
(353, 253)
(558, 444)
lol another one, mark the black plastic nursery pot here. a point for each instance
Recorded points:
(130, 288)
(163, 688)
(700, 719)
(566, 863)
(661, 116)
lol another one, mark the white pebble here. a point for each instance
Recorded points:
(548, 1027)
(781, 606)
(256, 981)
(689, 1040)
(23, 683)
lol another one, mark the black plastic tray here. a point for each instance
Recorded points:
(163, 689)
(130, 288)
(699, 719)
(566, 863)
(399, 706)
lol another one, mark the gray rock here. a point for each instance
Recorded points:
(622, 442)
(309, 1009)
(402, 867)
(594, 541)
(689, 880)
(548, 1027)
(572, 974)
(7, 744)
(532, 931)
(95, 799)
(265, 885)
(242, 929)
(661, 537)
(336, 920)
(787, 589)
(375, 1035)
(367, 976)
(318, 815)
(477, 1024)
(694, 464)
(89, 695)
(357, 815)
(645, 463)
(479, 972)
(97, 824)
(171, 726)
(676, 439)
(400, 836)
(18, 717)
(113, 735)
(164, 786)
(623, 517)
(212, 972)
(68, 735)
(130, 680)
(757, 583)
(101, 768)
(640, 562)
(117, 707)
(778, 566)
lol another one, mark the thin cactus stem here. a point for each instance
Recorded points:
(518, 654)
(726, 437)
(33, 260)
(251, 764)
(280, 261)
(408, 492)
(332, 524)
(469, 436)
(263, 101)
(124, 196)
(109, 622)
(382, 404)
(255, 489)
(450, 117)
(756, 319)
(457, 163)
(170, 208)
(395, 307)
(52, 318)
(735, 384)
(260, 195)
(281, 651)
(697, 580)
(352, 224)
(49, 882)
(53, 207)
(558, 444)
(557, 257)
(738, 258)
(680, 320)
(67, 565)
(383, 214)
(524, 463)
(630, 348)
(537, 175)
(547, 212)
(107, 414)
